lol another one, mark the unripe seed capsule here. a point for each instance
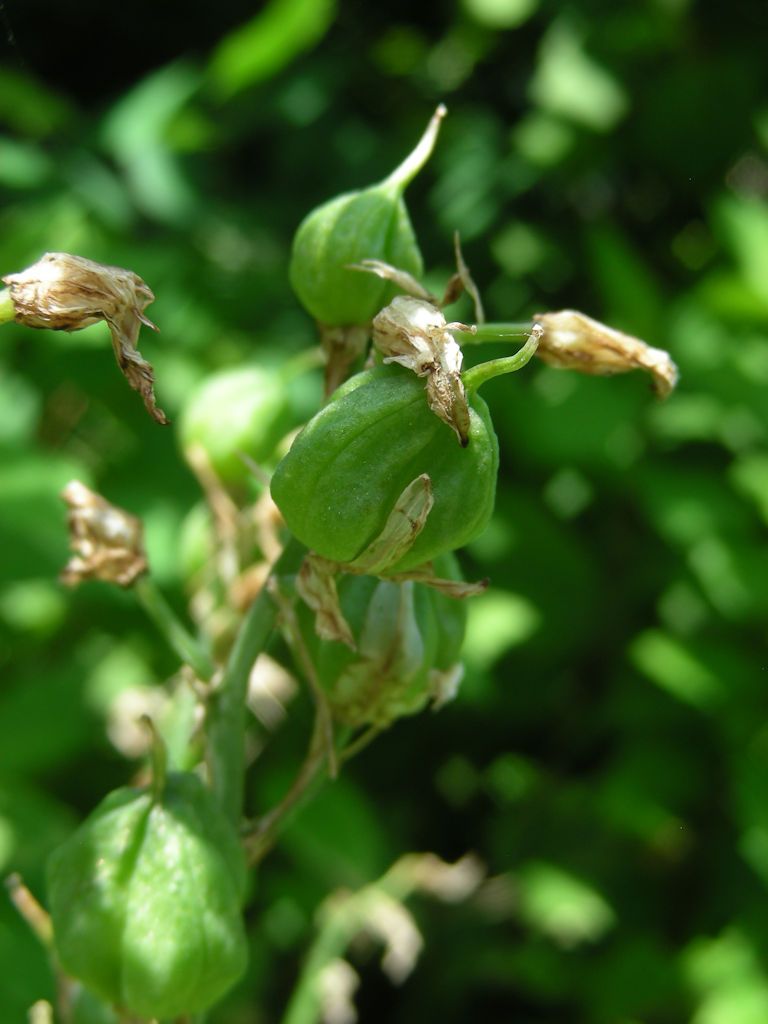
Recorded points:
(347, 468)
(450, 615)
(387, 675)
(369, 224)
(145, 900)
(406, 636)
(242, 411)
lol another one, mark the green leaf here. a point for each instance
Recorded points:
(569, 82)
(265, 44)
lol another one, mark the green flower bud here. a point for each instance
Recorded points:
(145, 900)
(346, 470)
(237, 412)
(369, 224)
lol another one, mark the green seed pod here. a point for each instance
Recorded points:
(196, 541)
(407, 636)
(87, 1009)
(237, 412)
(349, 465)
(395, 633)
(450, 615)
(145, 900)
(369, 224)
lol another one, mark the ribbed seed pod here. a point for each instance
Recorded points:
(347, 468)
(145, 899)
(372, 223)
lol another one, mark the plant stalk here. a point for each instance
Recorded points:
(478, 375)
(498, 332)
(343, 917)
(178, 638)
(261, 841)
(226, 718)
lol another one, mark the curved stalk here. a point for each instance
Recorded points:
(478, 375)
(158, 759)
(265, 832)
(343, 916)
(263, 838)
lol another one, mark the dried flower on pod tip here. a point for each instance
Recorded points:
(414, 333)
(107, 542)
(574, 341)
(353, 465)
(62, 292)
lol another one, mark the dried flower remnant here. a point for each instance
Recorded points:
(62, 292)
(574, 341)
(106, 541)
(413, 332)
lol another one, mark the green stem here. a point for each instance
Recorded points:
(410, 167)
(494, 332)
(178, 638)
(302, 362)
(344, 917)
(261, 841)
(36, 917)
(158, 757)
(306, 784)
(7, 308)
(226, 719)
(478, 375)
(331, 941)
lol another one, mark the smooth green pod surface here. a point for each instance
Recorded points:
(370, 224)
(450, 614)
(145, 900)
(347, 468)
(235, 412)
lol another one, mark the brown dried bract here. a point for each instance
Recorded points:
(316, 586)
(62, 292)
(107, 542)
(574, 341)
(462, 281)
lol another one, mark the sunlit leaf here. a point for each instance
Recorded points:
(570, 82)
(564, 907)
(265, 44)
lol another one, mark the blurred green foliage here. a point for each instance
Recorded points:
(607, 757)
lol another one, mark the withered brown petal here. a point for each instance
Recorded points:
(413, 332)
(574, 341)
(63, 292)
(106, 541)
